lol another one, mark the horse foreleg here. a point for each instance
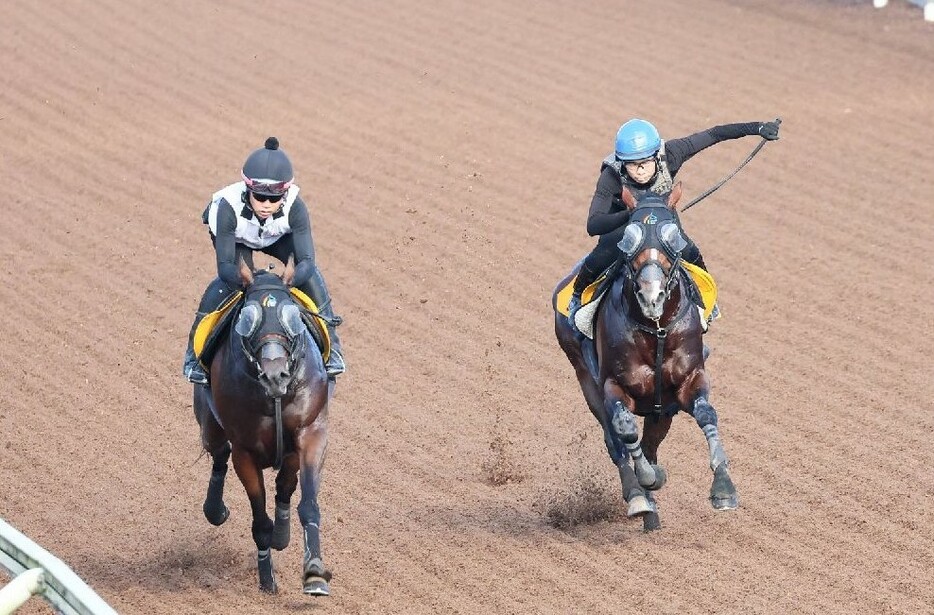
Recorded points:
(251, 475)
(723, 494)
(618, 404)
(623, 425)
(312, 446)
(286, 482)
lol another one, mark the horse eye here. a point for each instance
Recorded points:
(291, 319)
(632, 237)
(250, 317)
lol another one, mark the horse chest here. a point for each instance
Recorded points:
(639, 377)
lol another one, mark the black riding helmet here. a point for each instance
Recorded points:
(268, 171)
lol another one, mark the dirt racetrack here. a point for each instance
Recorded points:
(448, 151)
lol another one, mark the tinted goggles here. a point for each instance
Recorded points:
(266, 187)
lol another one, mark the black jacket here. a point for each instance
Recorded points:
(607, 213)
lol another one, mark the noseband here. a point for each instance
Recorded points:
(671, 274)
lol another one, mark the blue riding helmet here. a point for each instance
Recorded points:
(636, 140)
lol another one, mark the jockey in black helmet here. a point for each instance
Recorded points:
(262, 212)
(643, 162)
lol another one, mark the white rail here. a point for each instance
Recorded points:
(36, 571)
(928, 6)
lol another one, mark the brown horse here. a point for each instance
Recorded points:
(647, 356)
(267, 405)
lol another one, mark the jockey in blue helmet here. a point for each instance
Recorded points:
(264, 212)
(643, 162)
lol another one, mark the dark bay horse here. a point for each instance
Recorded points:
(267, 405)
(649, 357)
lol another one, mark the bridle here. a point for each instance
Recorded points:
(672, 274)
(293, 345)
(290, 337)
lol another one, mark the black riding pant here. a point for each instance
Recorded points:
(606, 252)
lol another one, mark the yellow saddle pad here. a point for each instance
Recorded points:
(705, 284)
(212, 320)
(564, 295)
(309, 304)
(209, 322)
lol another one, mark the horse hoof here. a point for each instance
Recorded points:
(316, 586)
(730, 502)
(639, 506)
(280, 540)
(661, 477)
(214, 517)
(651, 522)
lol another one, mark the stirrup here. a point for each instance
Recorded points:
(335, 365)
(196, 375)
(704, 323)
(714, 313)
(573, 306)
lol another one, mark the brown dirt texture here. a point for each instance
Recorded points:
(448, 152)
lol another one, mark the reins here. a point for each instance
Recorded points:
(661, 334)
(295, 351)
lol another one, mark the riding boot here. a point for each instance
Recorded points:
(318, 291)
(192, 369)
(214, 296)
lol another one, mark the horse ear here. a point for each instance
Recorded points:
(675, 196)
(628, 199)
(246, 276)
(289, 274)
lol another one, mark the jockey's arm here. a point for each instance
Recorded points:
(300, 223)
(679, 151)
(602, 219)
(225, 247)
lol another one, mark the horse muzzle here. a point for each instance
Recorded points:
(275, 370)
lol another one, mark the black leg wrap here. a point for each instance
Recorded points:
(704, 413)
(624, 423)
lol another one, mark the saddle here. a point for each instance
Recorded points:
(213, 327)
(702, 291)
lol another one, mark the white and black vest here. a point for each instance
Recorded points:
(663, 182)
(249, 230)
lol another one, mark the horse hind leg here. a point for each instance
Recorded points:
(633, 493)
(214, 441)
(723, 495)
(215, 511)
(312, 444)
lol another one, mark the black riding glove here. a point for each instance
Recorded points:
(769, 131)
